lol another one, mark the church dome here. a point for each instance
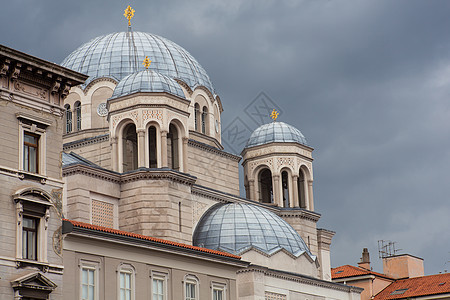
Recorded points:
(120, 54)
(238, 227)
(147, 81)
(276, 132)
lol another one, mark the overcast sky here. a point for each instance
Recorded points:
(367, 83)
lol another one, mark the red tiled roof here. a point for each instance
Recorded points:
(351, 271)
(415, 287)
(148, 238)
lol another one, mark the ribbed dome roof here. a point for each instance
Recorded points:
(120, 54)
(147, 81)
(237, 227)
(276, 132)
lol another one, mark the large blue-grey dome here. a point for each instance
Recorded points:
(120, 54)
(237, 227)
(147, 81)
(276, 132)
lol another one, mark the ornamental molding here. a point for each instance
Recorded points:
(299, 213)
(205, 147)
(145, 174)
(89, 171)
(86, 142)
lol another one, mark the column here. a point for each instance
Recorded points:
(310, 195)
(292, 187)
(277, 190)
(185, 155)
(295, 200)
(164, 162)
(141, 148)
(114, 154)
(251, 190)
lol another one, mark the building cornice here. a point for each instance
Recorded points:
(299, 278)
(85, 142)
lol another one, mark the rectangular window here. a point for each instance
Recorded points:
(190, 291)
(125, 286)
(217, 294)
(158, 289)
(30, 152)
(29, 238)
(87, 283)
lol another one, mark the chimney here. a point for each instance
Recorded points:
(365, 260)
(403, 266)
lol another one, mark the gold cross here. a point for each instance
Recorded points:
(129, 13)
(274, 115)
(146, 62)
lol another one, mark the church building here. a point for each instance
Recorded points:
(150, 206)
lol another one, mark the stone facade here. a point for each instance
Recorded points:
(31, 96)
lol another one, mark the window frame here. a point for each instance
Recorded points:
(92, 266)
(34, 239)
(35, 204)
(191, 279)
(126, 269)
(33, 126)
(160, 277)
(26, 150)
(220, 287)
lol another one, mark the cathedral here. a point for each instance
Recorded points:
(126, 177)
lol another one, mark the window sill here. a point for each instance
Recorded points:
(32, 176)
(23, 263)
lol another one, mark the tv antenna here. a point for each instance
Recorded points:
(386, 248)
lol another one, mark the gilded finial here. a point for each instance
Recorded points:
(129, 13)
(147, 62)
(274, 115)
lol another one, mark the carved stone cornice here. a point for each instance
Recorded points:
(205, 147)
(299, 213)
(98, 173)
(85, 142)
(168, 174)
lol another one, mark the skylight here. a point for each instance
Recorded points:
(399, 291)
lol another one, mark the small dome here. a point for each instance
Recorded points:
(147, 81)
(120, 54)
(237, 227)
(276, 132)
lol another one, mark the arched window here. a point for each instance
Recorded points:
(285, 186)
(130, 149)
(152, 147)
(265, 186)
(173, 157)
(204, 119)
(68, 116)
(77, 108)
(301, 189)
(197, 117)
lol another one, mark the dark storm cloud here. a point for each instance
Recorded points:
(367, 82)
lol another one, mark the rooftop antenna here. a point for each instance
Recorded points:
(386, 249)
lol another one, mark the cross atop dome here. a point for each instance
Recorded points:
(147, 62)
(129, 14)
(274, 115)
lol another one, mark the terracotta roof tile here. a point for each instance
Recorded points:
(351, 271)
(415, 287)
(148, 238)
